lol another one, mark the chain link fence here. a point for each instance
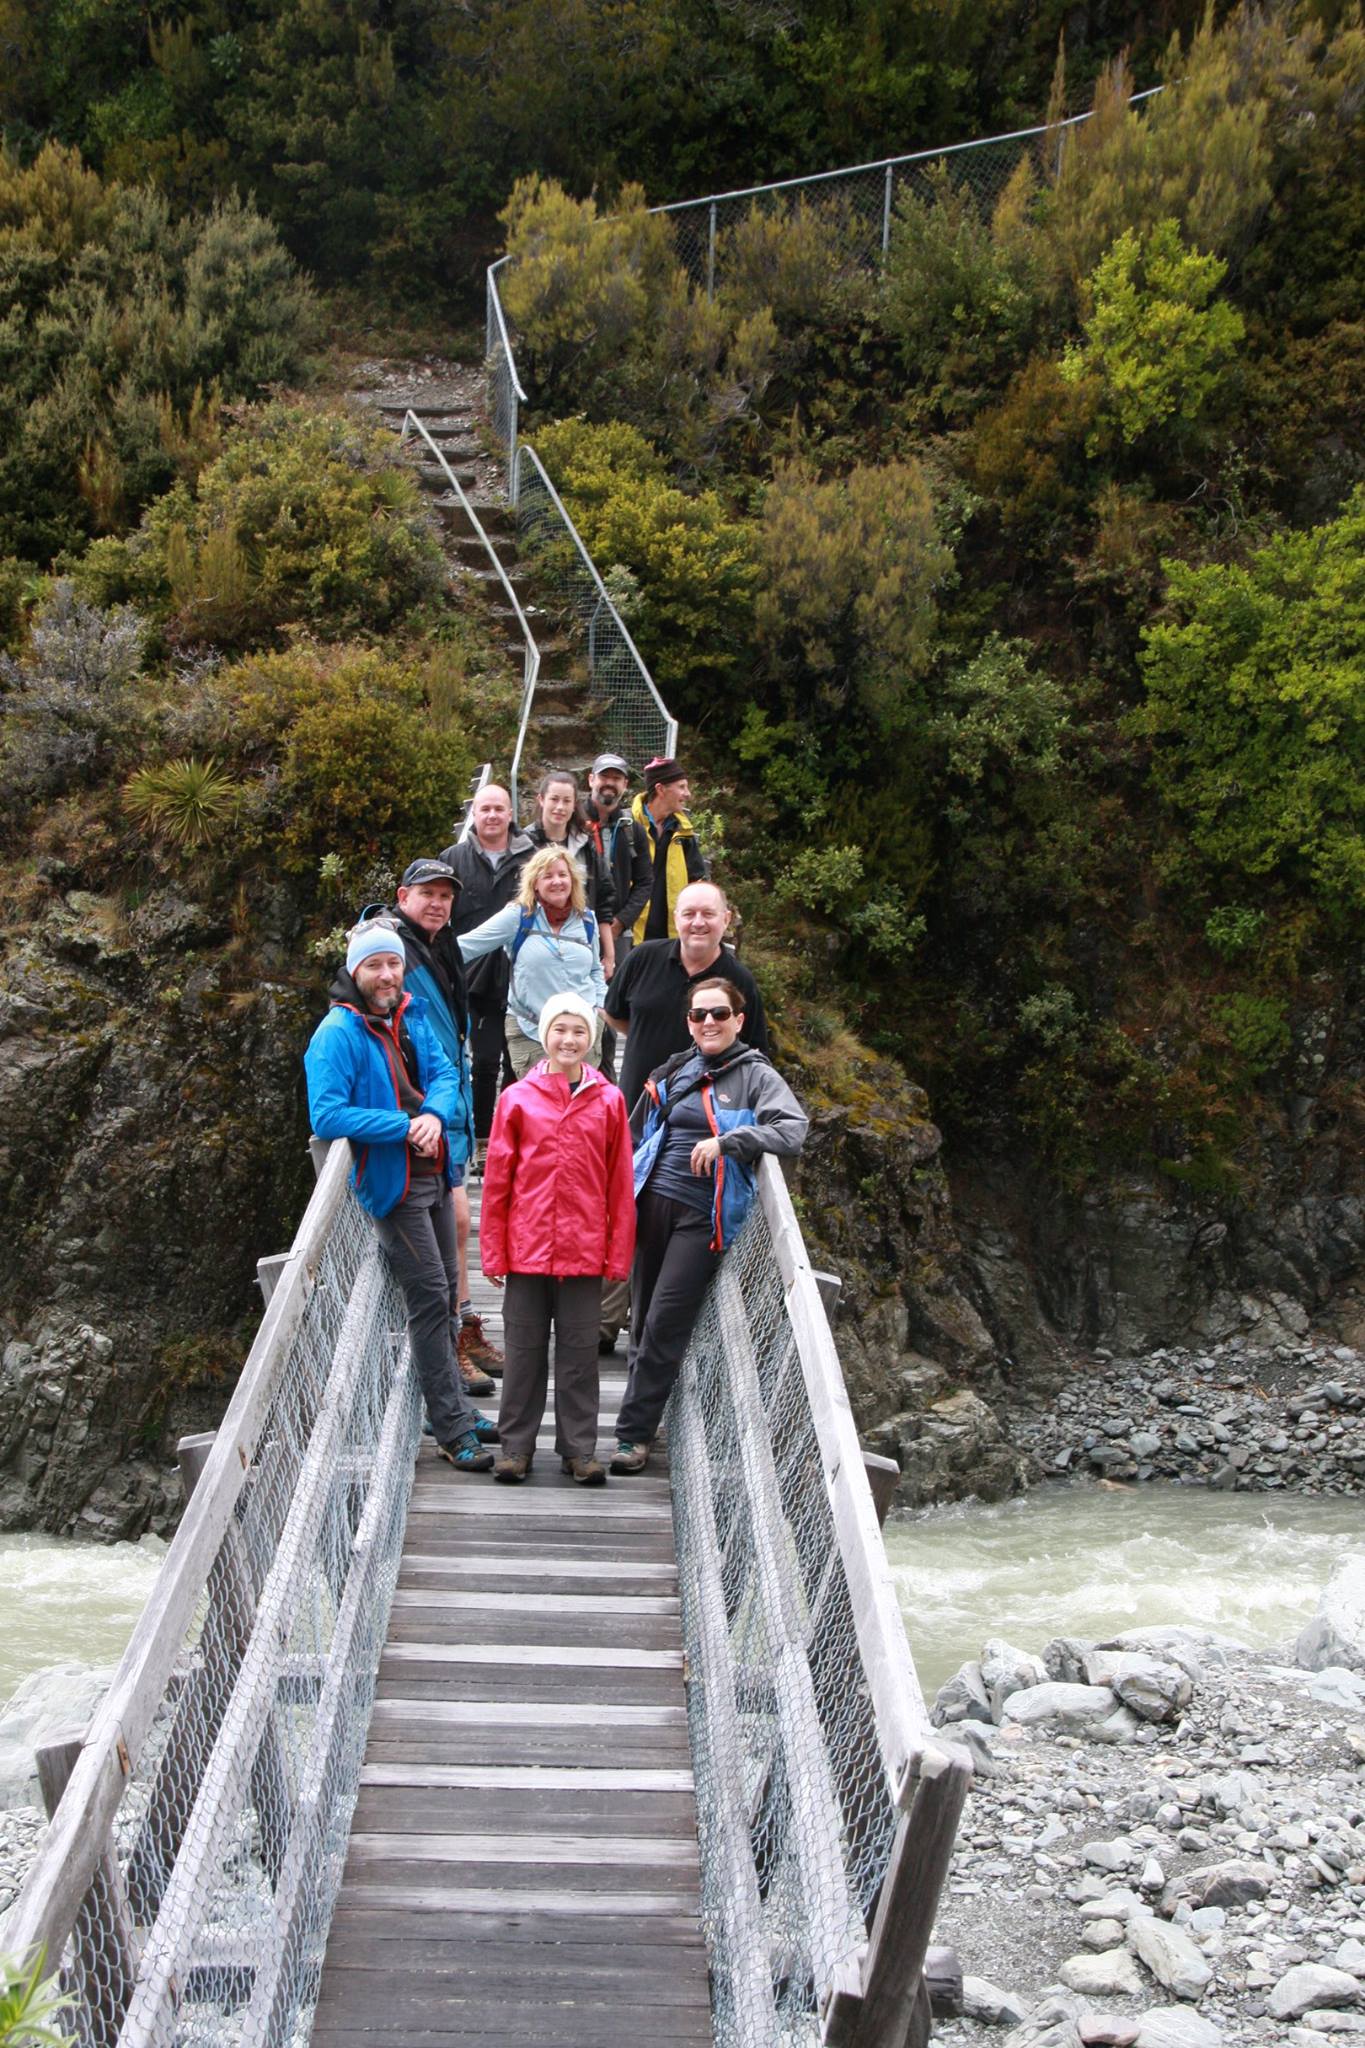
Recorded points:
(186, 1883)
(625, 708)
(807, 1722)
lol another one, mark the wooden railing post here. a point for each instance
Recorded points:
(893, 2008)
(103, 1941)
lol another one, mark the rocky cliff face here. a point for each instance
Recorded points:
(152, 1147)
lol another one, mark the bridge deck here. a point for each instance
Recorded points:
(523, 1859)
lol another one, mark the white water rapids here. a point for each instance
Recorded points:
(1065, 1559)
(1079, 1559)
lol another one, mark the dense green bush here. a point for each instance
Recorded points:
(691, 563)
(306, 517)
(117, 321)
(1256, 708)
(961, 290)
(1157, 342)
(355, 764)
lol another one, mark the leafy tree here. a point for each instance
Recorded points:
(1256, 707)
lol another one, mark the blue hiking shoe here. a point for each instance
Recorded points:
(485, 1430)
(466, 1454)
(630, 1457)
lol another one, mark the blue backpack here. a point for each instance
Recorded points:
(526, 924)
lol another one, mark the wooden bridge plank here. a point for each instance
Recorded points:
(523, 1860)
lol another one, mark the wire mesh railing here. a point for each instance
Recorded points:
(854, 207)
(530, 663)
(626, 709)
(185, 1885)
(808, 1729)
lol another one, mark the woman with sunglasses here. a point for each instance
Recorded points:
(701, 1122)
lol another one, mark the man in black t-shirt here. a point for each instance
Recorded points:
(647, 998)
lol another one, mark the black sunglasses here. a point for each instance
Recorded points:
(700, 1016)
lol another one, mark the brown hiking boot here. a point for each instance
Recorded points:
(584, 1471)
(475, 1347)
(512, 1469)
(630, 1457)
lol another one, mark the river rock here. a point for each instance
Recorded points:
(1051, 2024)
(1064, 1659)
(962, 1698)
(1312, 1984)
(1154, 1692)
(1351, 1956)
(50, 1702)
(1336, 1634)
(1337, 1686)
(1170, 2026)
(1219, 1884)
(1333, 2026)
(1100, 2031)
(1005, 1671)
(1110, 1975)
(1070, 1706)
(992, 2007)
(1170, 1955)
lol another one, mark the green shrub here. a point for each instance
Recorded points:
(1256, 1028)
(29, 2005)
(1233, 928)
(1156, 342)
(118, 320)
(691, 564)
(849, 575)
(1255, 707)
(960, 294)
(354, 761)
(305, 518)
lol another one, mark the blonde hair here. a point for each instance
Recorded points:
(536, 867)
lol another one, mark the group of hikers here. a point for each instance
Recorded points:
(481, 1016)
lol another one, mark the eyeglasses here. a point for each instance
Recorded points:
(721, 1016)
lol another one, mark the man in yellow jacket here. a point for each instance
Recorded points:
(673, 849)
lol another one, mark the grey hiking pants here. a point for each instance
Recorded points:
(419, 1237)
(532, 1302)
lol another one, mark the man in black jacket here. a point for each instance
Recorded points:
(624, 844)
(488, 866)
(646, 999)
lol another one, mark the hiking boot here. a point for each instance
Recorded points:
(466, 1454)
(630, 1457)
(471, 1379)
(476, 1351)
(584, 1471)
(512, 1468)
(486, 1430)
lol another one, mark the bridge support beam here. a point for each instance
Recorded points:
(104, 1949)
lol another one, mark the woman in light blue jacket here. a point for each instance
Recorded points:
(552, 940)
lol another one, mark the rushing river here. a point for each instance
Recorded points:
(1072, 1559)
(63, 1602)
(1086, 1560)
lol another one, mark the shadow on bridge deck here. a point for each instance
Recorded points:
(523, 1857)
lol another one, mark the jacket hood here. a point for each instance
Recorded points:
(737, 1056)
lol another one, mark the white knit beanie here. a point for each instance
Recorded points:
(567, 1005)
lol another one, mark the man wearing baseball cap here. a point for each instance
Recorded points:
(624, 845)
(377, 1075)
(427, 896)
(673, 850)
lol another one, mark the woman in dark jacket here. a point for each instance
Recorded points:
(701, 1124)
(560, 821)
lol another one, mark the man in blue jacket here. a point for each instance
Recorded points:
(427, 896)
(377, 1076)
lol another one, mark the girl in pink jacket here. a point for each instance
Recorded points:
(558, 1217)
